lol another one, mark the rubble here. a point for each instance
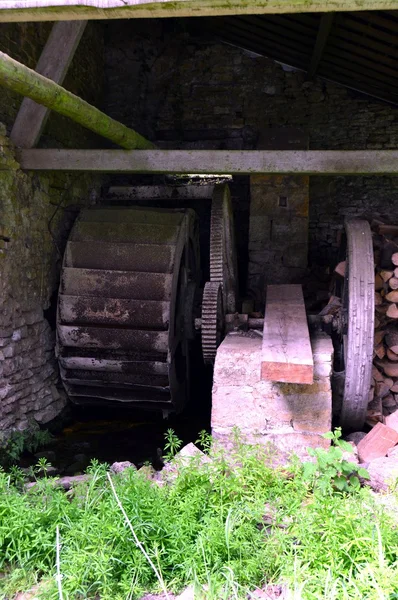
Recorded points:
(119, 467)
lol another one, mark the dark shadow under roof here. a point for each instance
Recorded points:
(356, 49)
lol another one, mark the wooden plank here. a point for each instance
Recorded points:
(286, 351)
(53, 63)
(17, 77)
(306, 162)
(56, 10)
(325, 27)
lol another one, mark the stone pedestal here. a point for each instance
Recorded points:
(290, 416)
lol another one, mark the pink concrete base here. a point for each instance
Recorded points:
(290, 416)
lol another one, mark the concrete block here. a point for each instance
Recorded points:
(322, 369)
(246, 364)
(290, 416)
(279, 445)
(322, 347)
(321, 423)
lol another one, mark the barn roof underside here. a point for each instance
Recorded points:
(356, 49)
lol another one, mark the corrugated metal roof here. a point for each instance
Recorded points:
(360, 50)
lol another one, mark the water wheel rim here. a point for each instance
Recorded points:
(358, 334)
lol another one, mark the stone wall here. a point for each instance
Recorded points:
(186, 91)
(36, 214)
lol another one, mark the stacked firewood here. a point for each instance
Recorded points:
(383, 399)
(383, 395)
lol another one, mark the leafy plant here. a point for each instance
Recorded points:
(42, 466)
(331, 468)
(14, 444)
(204, 440)
(225, 527)
(172, 445)
(17, 476)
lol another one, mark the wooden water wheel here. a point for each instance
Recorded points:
(125, 311)
(354, 322)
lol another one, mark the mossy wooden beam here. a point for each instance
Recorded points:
(58, 10)
(53, 63)
(19, 78)
(307, 162)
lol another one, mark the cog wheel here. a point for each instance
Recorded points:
(212, 320)
(223, 260)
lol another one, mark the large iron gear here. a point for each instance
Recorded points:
(223, 260)
(126, 298)
(212, 320)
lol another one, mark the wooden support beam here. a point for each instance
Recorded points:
(325, 27)
(53, 63)
(307, 162)
(56, 10)
(19, 78)
(286, 352)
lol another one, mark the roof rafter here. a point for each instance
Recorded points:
(325, 27)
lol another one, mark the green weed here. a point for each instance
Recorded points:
(16, 442)
(172, 444)
(331, 468)
(225, 527)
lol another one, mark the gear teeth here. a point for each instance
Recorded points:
(212, 313)
(217, 241)
(222, 247)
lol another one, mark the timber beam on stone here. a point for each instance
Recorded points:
(56, 10)
(286, 351)
(324, 29)
(17, 77)
(53, 63)
(307, 162)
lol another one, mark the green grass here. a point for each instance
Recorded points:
(228, 528)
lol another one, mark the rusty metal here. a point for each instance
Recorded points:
(220, 293)
(125, 306)
(212, 320)
(223, 260)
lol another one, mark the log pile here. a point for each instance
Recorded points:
(383, 394)
(383, 397)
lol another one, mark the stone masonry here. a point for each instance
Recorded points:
(36, 215)
(186, 90)
(278, 222)
(291, 417)
(32, 235)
